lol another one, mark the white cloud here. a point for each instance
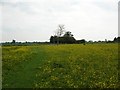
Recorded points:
(38, 19)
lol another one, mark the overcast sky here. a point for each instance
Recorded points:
(37, 20)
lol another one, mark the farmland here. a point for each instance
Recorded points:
(60, 66)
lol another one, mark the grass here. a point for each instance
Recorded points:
(62, 66)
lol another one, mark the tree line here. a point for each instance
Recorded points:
(66, 37)
(62, 40)
(62, 37)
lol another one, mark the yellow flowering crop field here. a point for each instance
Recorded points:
(60, 66)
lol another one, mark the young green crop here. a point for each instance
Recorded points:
(12, 57)
(61, 66)
(79, 66)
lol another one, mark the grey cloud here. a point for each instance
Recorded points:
(107, 6)
(22, 6)
(39, 18)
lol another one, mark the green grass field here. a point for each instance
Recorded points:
(62, 66)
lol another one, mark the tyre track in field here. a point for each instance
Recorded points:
(25, 75)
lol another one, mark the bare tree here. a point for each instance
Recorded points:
(60, 31)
